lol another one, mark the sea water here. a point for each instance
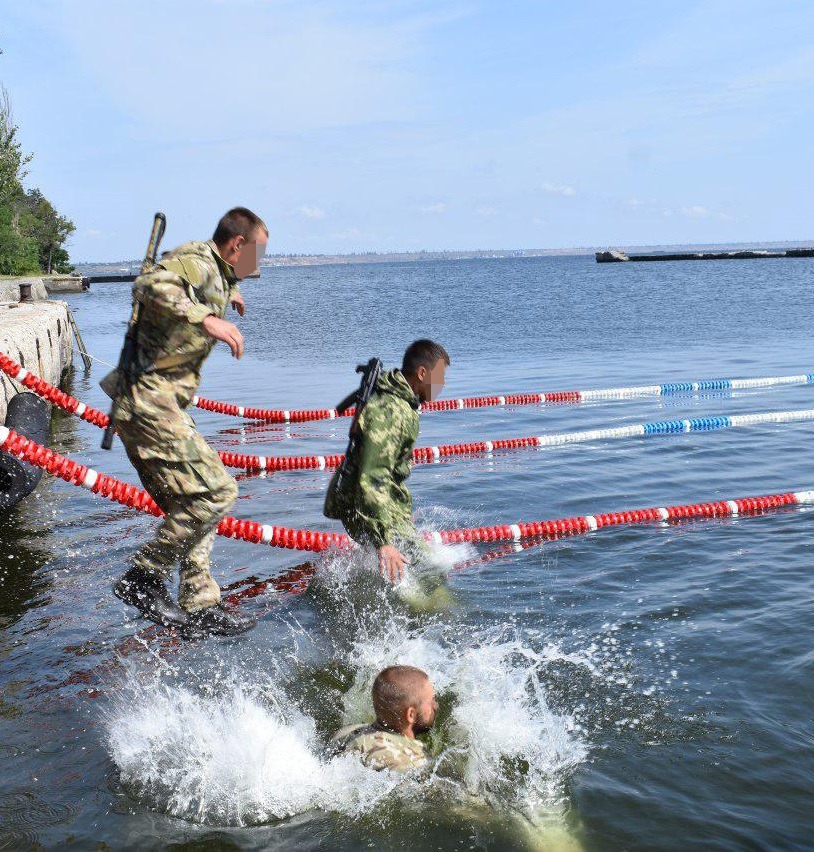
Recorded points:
(645, 687)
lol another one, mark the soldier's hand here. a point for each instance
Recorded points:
(238, 304)
(391, 563)
(225, 331)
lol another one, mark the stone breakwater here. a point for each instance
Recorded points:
(38, 335)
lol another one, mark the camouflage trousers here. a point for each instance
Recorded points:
(195, 494)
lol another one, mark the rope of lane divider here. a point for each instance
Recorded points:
(426, 455)
(136, 498)
(278, 415)
(429, 455)
(53, 394)
(257, 533)
(99, 418)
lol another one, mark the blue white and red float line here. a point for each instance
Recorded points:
(274, 415)
(428, 455)
(297, 539)
(92, 415)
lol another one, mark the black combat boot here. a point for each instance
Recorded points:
(147, 593)
(217, 621)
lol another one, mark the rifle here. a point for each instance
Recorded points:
(126, 367)
(370, 375)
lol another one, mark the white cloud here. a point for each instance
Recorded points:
(93, 232)
(347, 234)
(436, 208)
(484, 210)
(564, 191)
(538, 221)
(695, 212)
(310, 211)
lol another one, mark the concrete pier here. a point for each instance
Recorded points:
(65, 283)
(38, 335)
(619, 256)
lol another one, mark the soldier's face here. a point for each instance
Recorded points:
(249, 254)
(432, 381)
(425, 709)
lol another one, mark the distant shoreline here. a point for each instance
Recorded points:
(293, 260)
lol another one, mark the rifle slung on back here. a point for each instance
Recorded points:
(126, 368)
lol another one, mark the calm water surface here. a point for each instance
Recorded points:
(636, 688)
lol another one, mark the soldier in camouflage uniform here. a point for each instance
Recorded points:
(183, 302)
(371, 497)
(405, 705)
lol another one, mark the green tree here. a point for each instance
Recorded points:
(32, 232)
(50, 231)
(18, 254)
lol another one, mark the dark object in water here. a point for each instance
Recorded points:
(27, 415)
(619, 256)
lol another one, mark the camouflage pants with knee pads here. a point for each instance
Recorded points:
(195, 493)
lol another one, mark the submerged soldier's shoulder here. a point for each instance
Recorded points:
(380, 749)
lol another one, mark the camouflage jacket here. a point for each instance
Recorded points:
(372, 499)
(379, 748)
(175, 296)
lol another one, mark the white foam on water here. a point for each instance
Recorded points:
(230, 759)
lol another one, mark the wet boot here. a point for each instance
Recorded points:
(216, 621)
(147, 593)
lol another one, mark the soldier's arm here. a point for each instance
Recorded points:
(236, 299)
(377, 453)
(164, 293)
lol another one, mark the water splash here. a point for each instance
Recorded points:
(241, 746)
(230, 759)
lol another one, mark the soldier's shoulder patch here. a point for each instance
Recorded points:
(192, 261)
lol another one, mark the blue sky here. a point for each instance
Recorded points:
(354, 125)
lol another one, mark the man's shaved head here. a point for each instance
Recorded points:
(396, 690)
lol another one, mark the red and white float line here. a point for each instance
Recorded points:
(426, 455)
(257, 533)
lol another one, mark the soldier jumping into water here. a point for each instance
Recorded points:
(182, 302)
(368, 493)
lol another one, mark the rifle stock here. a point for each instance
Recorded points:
(128, 353)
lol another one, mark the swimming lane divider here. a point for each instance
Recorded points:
(276, 415)
(93, 415)
(430, 455)
(296, 539)
(427, 455)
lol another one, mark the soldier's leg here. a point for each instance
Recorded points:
(197, 589)
(425, 587)
(201, 516)
(412, 544)
(158, 555)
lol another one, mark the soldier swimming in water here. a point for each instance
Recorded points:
(182, 306)
(404, 704)
(369, 494)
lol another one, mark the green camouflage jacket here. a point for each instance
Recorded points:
(373, 501)
(379, 748)
(175, 296)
